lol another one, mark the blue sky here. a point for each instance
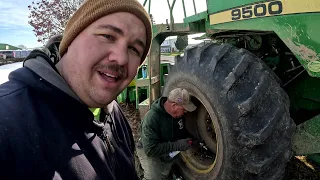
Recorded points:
(14, 27)
(15, 30)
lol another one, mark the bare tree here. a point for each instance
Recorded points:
(49, 17)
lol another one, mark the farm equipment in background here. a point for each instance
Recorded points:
(256, 86)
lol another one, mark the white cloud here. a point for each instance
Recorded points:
(13, 14)
(14, 26)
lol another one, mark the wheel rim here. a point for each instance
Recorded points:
(202, 161)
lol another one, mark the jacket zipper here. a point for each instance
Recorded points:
(113, 130)
(108, 144)
(107, 141)
(117, 140)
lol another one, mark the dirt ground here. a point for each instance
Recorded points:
(10, 60)
(133, 118)
(299, 168)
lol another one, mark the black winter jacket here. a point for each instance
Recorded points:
(47, 134)
(160, 131)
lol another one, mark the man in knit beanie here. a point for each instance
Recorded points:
(102, 44)
(46, 128)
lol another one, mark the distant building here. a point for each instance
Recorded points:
(15, 53)
(8, 47)
(168, 45)
(9, 51)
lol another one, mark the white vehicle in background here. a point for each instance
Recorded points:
(5, 70)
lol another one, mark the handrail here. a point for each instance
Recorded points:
(184, 9)
(144, 4)
(194, 6)
(171, 9)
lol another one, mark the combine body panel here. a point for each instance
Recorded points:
(296, 23)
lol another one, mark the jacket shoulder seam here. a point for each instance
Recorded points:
(12, 92)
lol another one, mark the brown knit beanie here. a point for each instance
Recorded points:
(92, 10)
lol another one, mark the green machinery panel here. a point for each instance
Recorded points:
(296, 22)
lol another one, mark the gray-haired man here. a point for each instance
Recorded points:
(163, 134)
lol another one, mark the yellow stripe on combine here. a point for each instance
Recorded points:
(288, 7)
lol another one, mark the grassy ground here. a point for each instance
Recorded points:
(299, 168)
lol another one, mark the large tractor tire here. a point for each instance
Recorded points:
(242, 115)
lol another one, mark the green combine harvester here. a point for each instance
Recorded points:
(256, 85)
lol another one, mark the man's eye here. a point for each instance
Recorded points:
(109, 37)
(135, 50)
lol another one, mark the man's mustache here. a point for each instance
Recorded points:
(120, 70)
